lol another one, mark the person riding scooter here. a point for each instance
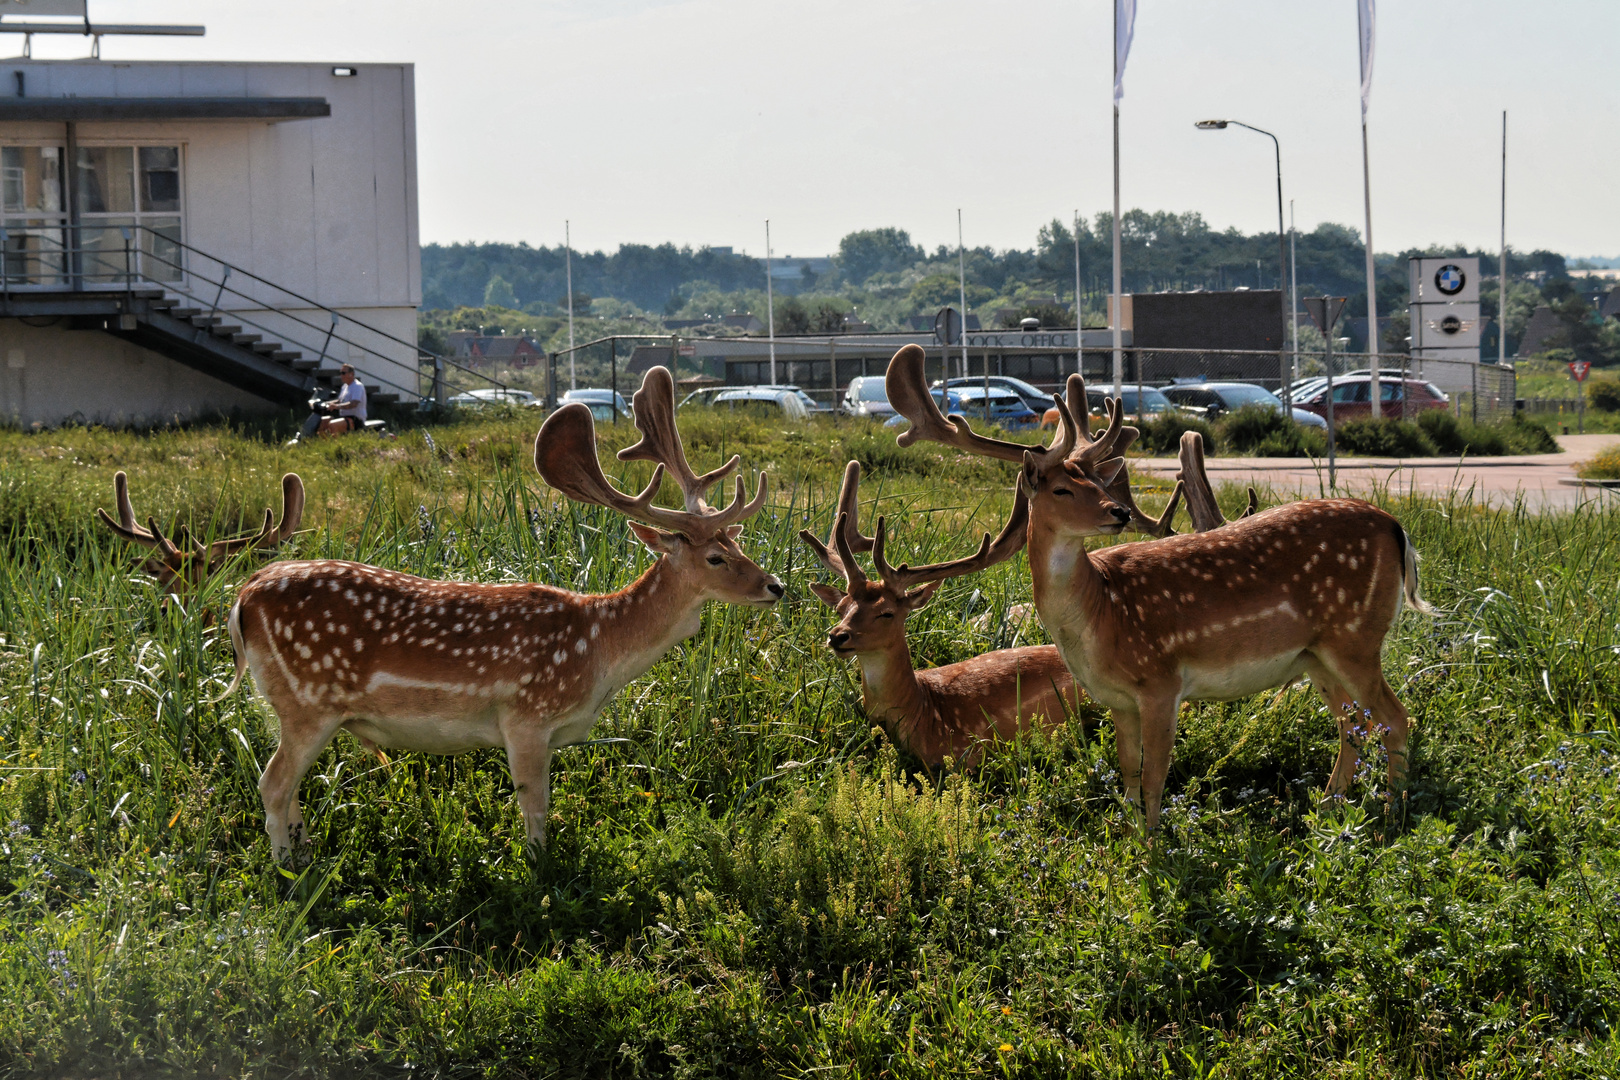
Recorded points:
(348, 409)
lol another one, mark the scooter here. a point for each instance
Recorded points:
(319, 413)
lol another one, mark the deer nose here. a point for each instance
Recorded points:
(837, 638)
(775, 589)
(1121, 514)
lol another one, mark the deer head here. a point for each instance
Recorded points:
(184, 563)
(873, 612)
(699, 540)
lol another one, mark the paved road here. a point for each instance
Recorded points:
(1492, 479)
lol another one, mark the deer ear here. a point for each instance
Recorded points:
(919, 596)
(1108, 470)
(1030, 476)
(826, 594)
(659, 543)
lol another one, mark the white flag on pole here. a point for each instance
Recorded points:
(1366, 23)
(1124, 30)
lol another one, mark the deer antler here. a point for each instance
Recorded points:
(907, 386)
(565, 456)
(1205, 512)
(1013, 536)
(190, 561)
(1159, 527)
(844, 525)
(654, 409)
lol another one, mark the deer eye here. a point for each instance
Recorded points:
(886, 615)
(1062, 491)
(715, 560)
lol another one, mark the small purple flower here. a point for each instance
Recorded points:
(78, 777)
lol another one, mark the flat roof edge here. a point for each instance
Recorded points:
(165, 108)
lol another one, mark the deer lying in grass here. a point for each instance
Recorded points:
(943, 712)
(1308, 588)
(183, 564)
(445, 667)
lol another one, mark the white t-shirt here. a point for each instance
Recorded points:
(352, 400)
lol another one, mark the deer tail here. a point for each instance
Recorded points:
(1409, 574)
(233, 623)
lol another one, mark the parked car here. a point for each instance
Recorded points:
(601, 403)
(867, 396)
(1217, 399)
(478, 399)
(774, 400)
(1352, 397)
(1037, 400)
(811, 405)
(1153, 403)
(1007, 409)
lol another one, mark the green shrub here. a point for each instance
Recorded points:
(1243, 430)
(1527, 437)
(1162, 434)
(1300, 441)
(1385, 438)
(1603, 394)
(1605, 466)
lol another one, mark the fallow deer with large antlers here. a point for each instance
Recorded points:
(445, 667)
(945, 712)
(1307, 588)
(182, 565)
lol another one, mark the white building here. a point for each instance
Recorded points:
(151, 207)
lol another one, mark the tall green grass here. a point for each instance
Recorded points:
(743, 878)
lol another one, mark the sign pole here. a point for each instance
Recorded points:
(1501, 263)
(961, 281)
(770, 302)
(568, 246)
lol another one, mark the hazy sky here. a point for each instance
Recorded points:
(694, 120)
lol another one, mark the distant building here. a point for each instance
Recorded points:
(1249, 319)
(505, 351)
(1610, 308)
(925, 323)
(748, 324)
(1541, 332)
(1356, 330)
(193, 238)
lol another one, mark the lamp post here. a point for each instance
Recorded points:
(1282, 249)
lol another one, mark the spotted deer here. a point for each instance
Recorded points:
(445, 667)
(182, 565)
(952, 711)
(1308, 588)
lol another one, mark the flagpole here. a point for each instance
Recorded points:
(961, 282)
(1293, 289)
(1118, 313)
(770, 302)
(568, 245)
(1501, 264)
(1366, 25)
(1079, 321)
(1372, 281)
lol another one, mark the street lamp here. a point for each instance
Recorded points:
(1282, 248)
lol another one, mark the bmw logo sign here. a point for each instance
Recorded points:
(1450, 279)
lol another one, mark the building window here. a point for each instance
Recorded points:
(34, 214)
(119, 186)
(116, 187)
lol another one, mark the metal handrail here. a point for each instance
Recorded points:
(134, 269)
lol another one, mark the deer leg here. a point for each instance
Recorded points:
(1158, 727)
(301, 743)
(1389, 718)
(1352, 731)
(1128, 745)
(528, 756)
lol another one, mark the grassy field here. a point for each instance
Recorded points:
(743, 880)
